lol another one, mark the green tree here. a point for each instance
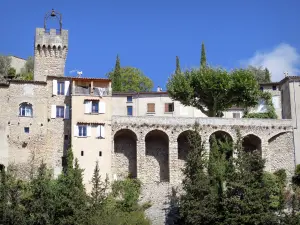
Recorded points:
(116, 76)
(261, 75)
(41, 205)
(247, 199)
(178, 70)
(214, 90)
(99, 187)
(132, 79)
(203, 56)
(71, 198)
(28, 70)
(5, 62)
(198, 204)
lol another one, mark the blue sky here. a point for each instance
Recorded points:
(149, 34)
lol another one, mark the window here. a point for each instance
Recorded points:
(129, 98)
(60, 88)
(101, 131)
(169, 107)
(236, 115)
(82, 153)
(60, 111)
(95, 106)
(26, 129)
(129, 110)
(25, 110)
(82, 131)
(274, 87)
(100, 153)
(151, 107)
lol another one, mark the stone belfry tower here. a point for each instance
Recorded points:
(50, 49)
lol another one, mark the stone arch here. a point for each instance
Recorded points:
(125, 153)
(157, 156)
(38, 47)
(25, 109)
(183, 144)
(281, 152)
(251, 143)
(223, 136)
(54, 50)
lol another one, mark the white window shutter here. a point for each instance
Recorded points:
(67, 112)
(101, 107)
(67, 87)
(102, 131)
(88, 131)
(53, 111)
(54, 83)
(88, 106)
(98, 131)
(76, 131)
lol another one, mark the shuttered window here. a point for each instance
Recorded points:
(151, 107)
(169, 107)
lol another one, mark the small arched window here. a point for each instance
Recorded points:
(25, 109)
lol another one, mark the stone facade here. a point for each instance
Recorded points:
(44, 137)
(155, 150)
(50, 53)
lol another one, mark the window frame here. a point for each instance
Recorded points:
(148, 106)
(130, 107)
(61, 88)
(58, 109)
(96, 104)
(168, 104)
(25, 107)
(81, 130)
(236, 113)
(129, 98)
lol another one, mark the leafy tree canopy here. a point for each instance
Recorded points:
(214, 90)
(132, 79)
(261, 75)
(5, 62)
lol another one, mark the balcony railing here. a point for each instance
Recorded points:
(97, 91)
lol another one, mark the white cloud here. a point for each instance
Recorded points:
(282, 58)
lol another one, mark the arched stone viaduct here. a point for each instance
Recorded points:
(154, 148)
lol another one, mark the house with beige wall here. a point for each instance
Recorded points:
(91, 125)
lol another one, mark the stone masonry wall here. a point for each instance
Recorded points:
(273, 137)
(45, 140)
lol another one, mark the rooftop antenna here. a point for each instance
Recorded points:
(286, 73)
(79, 73)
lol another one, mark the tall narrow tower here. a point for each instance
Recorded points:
(50, 49)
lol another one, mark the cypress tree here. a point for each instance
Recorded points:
(247, 199)
(116, 78)
(267, 75)
(203, 63)
(99, 187)
(197, 205)
(178, 70)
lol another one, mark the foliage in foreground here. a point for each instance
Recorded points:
(234, 190)
(44, 200)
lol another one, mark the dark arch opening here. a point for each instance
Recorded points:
(2, 167)
(157, 154)
(252, 143)
(183, 143)
(276, 136)
(125, 152)
(224, 142)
